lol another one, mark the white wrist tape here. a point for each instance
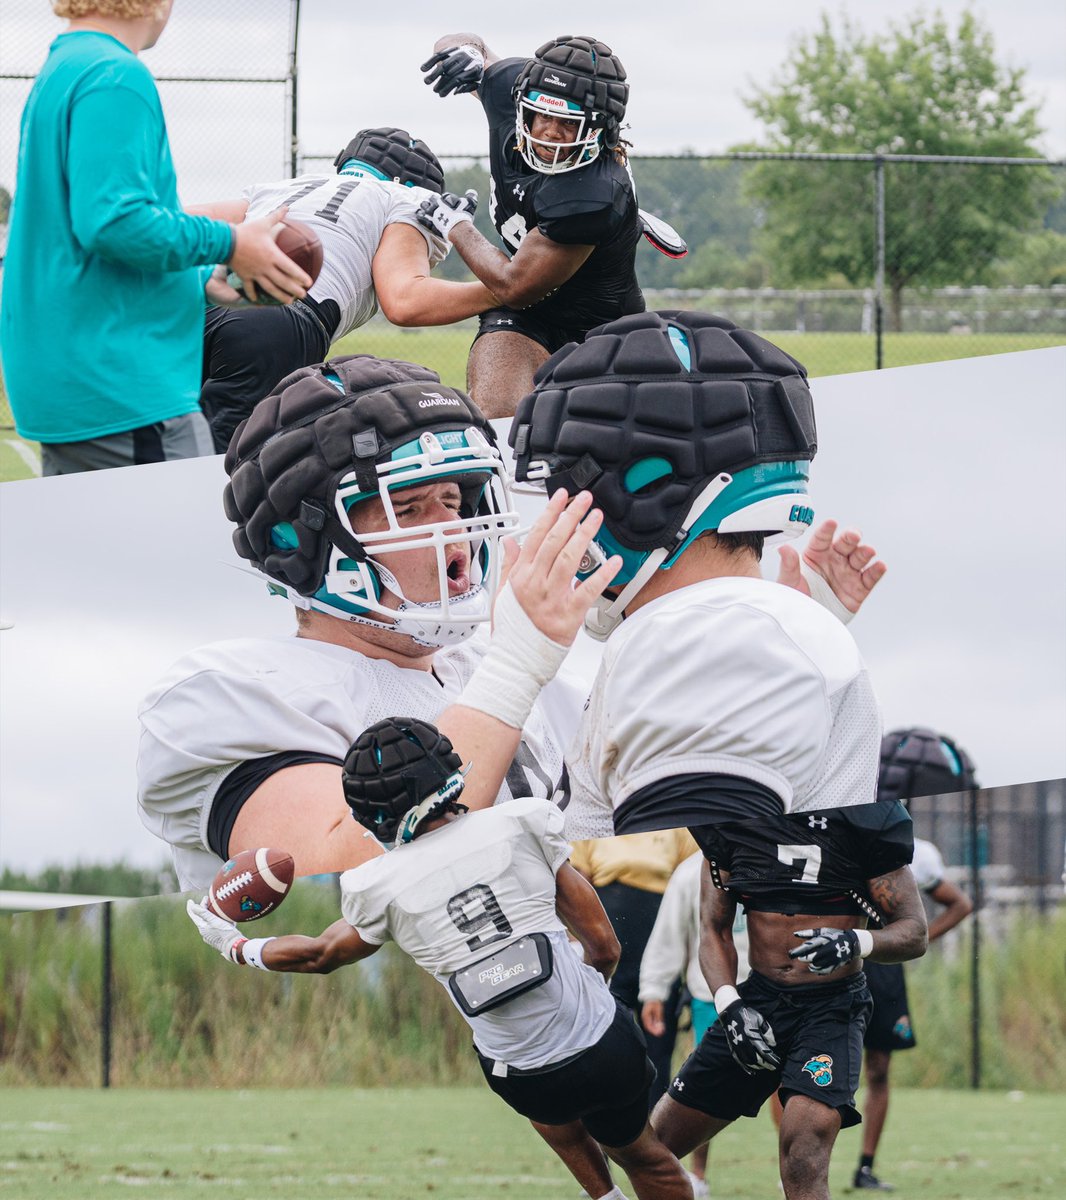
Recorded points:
(519, 662)
(253, 953)
(474, 52)
(866, 941)
(824, 594)
(725, 996)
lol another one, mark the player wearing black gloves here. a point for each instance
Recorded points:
(796, 1025)
(563, 202)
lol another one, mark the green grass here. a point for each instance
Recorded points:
(455, 1144)
(445, 350)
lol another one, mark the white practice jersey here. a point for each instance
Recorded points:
(234, 701)
(927, 865)
(349, 214)
(731, 676)
(458, 893)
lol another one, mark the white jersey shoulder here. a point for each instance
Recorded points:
(229, 702)
(731, 676)
(482, 881)
(349, 215)
(927, 865)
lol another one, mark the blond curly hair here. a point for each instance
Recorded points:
(123, 10)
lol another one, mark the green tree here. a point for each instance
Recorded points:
(921, 88)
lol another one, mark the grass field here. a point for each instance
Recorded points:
(457, 1144)
(445, 351)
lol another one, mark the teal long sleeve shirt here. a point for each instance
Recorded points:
(102, 308)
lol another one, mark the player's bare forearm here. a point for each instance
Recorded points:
(906, 933)
(409, 295)
(718, 952)
(484, 742)
(580, 910)
(538, 268)
(233, 211)
(957, 907)
(450, 40)
(337, 946)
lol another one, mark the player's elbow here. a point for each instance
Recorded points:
(517, 293)
(401, 309)
(603, 954)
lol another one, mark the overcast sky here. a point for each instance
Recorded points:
(953, 470)
(689, 65)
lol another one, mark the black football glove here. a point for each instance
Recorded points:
(750, 1039)
(454, 71)
(826, 950)
(440, 214)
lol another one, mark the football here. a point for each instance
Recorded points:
(301, 244)
(251, 884)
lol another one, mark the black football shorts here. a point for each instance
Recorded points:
(890, 1026)
(819, 1029)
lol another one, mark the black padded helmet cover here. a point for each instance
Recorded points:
(922, 762)
(393, 766)
(398, 155)
(285, 460)
(623, 396)
(585, 71)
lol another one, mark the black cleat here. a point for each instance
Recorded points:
(866, 1180)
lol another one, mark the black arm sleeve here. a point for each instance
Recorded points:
(240, 783)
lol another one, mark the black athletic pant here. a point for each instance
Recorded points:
(248, 350)
(633, 911)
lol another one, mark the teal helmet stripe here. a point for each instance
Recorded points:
(356, 166)
(679, 345)
(534, 96)
(764, 481)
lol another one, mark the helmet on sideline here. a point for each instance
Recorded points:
(399, 774)
(578, 79)
(355, 429)
(391, 154)
(678, 423)
(922, 762)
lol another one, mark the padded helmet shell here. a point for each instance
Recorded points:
(397, 155)
(651, 408)
(922, 762)
(394, 766)
(583, 72)
(352, 428)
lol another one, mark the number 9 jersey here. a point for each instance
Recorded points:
(479, 882)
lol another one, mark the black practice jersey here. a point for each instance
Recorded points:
(809, 862)
(595, 205)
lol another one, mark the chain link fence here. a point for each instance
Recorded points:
(850, 262)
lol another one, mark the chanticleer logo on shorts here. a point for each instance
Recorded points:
(821, 1069)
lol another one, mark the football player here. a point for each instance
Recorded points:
(374, 499)
(374, 253)
(562, 200)
(914, 762)
(482, 902)
(731, 706)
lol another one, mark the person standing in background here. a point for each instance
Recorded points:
(914, 762)
(630, 875)
(102, 313)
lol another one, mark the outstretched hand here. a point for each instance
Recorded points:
(845, 565)
(456, 70)
(541, 573)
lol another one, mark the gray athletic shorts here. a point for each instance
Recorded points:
(187, 436)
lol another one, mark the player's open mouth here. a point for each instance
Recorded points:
(458, 576)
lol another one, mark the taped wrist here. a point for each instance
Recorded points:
(824, 594)
(866, 942)
(253, 953)
(519, 662)
(724, 996)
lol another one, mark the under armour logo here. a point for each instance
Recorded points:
(503, 321)
(679, 1085)
(843, 950)
(818, 822)
(519, 191)
(734, 1033)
